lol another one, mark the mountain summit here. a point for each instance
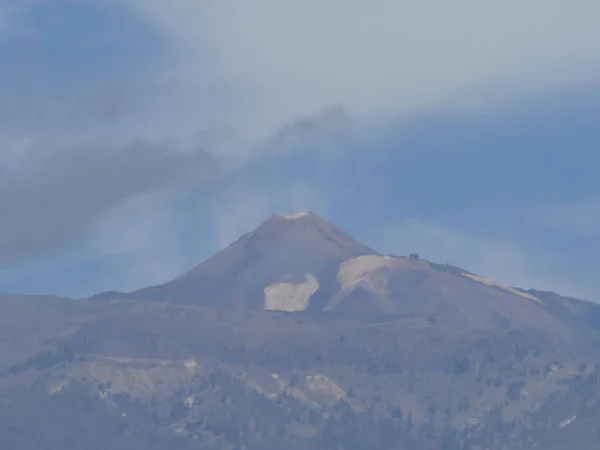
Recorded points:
(290, 262)
(284, 242)
(396, 352)
(301, 262)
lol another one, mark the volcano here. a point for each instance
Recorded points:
(301, 262)
(290, 263)
(298, 326)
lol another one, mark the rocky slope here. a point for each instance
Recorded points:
(288, 263)
(300, 262)
(297, 336)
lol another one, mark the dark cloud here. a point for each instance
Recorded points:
(54, 203)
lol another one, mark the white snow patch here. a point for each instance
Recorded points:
(290, 296)
(298, 215)
(502, 286)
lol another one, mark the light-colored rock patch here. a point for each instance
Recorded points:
(512, 290)
(191, 365)
(567, 422)
(322, 385)
(296, 393)
(362, 271)
(354, 270)
(58, 387)
(139, 378)
(291, 296)
(189, 402)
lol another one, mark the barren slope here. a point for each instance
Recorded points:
(290, 262)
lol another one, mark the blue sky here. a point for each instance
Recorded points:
(137, 138)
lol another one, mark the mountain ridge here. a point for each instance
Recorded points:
(283, 248)
(297, 336)
(301, 262)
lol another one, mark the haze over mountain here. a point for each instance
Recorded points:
(301, 262)
(138, 138)
(290, 262)
(298, 336)
(134, 159)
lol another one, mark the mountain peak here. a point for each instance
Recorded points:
(285, 248)
(298, 233)
(301, 262)
(295, 216)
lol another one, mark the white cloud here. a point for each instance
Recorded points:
(501, 259)
(240, 70)
(290, 58)
(244, 69)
